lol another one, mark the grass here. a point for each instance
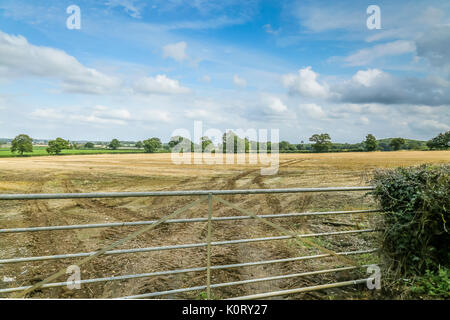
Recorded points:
(41, 151)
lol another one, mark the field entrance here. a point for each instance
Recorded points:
(112, 173)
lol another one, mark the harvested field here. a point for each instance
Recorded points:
(147, 172)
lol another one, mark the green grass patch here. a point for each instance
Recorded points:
(41, 151)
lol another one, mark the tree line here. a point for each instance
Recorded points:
(232, 143)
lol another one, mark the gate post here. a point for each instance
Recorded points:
(208, 262)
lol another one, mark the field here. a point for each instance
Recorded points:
(41, 151)
(144, 172)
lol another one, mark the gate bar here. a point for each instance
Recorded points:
(180, 246)
(235, 283)
(139, 223)
(198, 269)
(37, 196)
(300, 290)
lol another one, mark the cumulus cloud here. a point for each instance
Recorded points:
(176, 51)
(160, 84)
(239, 82)
(306, 84)
(275, 104)
(371, 86)
(369, 77)
(313, 110)
(376, 86)
(19, 58)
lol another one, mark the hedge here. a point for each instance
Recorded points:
(415, 231)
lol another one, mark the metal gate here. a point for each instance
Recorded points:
(204, 196)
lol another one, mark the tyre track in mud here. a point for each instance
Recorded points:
(39, 213)
(125, 264)
(245, 252)
(116, 264)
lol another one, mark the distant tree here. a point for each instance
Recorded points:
(284, 146)
(57, 145)
(89, 145)
(205, 142)
(152, 144)
(371, 142)
(440, 142)
(22, 143)
(301, 146)
(139, 145)
(322, 142)
(76, 146)
(114, 144)
(396, 143)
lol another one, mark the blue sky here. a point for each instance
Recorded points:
(137, 69)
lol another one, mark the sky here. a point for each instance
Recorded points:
(139, 69)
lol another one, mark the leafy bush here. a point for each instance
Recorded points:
(433, 283)
(416, 202)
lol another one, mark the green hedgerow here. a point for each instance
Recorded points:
(415, 202)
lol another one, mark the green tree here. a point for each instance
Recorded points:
(205, 142)
(300, 146)
(396, 143)
(322, 142)
(152, 144)
(22, 143)
(57, 145)
(371, 142)
(114, 144)
(139, 145)
(440, 142)
(89, 145)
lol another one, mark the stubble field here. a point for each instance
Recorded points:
(146, 172)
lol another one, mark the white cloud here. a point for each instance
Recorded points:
(368, 55)
(240, 82)
(275, 104)
(19, 58)
(368, 77)
(428, 126)
(97, 115)
(176, 51)
(157, 116)
(313, 110)
(305, 83)
(160, 84)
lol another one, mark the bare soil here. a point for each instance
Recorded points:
(145, 172)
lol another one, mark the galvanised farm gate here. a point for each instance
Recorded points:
(203, 196)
